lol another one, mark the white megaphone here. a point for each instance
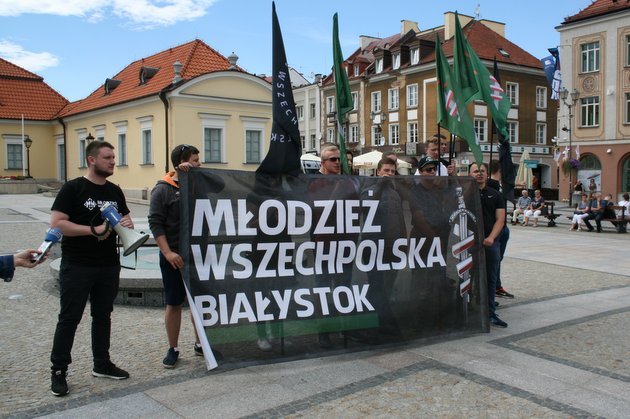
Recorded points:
(130, 238)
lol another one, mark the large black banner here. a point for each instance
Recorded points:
(316, 262)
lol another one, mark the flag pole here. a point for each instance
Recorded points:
(493, 131)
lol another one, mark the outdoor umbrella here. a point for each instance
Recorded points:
(524, 174)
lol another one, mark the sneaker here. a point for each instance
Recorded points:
(199, 352)
(58, 384)
(496, 321)
(171, 358)
(110, 371)
(264, 345)
(502, 292)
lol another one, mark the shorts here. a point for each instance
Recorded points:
(174, 291)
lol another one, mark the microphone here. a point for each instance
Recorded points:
(53, 235)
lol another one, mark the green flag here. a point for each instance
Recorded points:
(452, 112)
(343, 96)
(463, 72)
(466, 62)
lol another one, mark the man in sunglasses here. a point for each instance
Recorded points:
(427, 166)
(331, 164)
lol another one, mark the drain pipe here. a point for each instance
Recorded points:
(167, 157)
(65, 151)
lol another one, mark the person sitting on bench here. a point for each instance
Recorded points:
(521, 206)
(535, 208)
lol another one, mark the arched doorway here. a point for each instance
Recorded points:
(590, 173)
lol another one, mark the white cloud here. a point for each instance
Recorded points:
(32, 61)
(141, 14)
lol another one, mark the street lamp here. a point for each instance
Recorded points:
(89, 138)
(28, 143)
(575, 96)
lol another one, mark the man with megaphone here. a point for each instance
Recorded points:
(90, 264)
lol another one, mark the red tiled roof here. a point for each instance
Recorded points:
(196, 57)
(487, 44)
(23, 93)
(598, 8)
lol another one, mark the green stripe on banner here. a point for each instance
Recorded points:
(248, 332)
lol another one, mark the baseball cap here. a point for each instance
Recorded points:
(427, 161)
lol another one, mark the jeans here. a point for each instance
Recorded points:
(493, 259)
(77, 285)
(503, 240)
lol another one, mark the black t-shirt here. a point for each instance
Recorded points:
(81, 200)
(491, 200)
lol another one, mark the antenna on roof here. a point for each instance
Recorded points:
(478, 11)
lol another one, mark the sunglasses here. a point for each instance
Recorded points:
(333, 159)
(429, 170)
(184, 147)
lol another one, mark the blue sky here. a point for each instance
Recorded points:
(76, 44)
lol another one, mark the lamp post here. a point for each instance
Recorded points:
(28, 143)
(575, 95)
(89, 138)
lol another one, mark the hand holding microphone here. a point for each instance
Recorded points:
(53, 235)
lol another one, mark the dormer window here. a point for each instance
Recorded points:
(415, 56)
(146, 73)
(504, 52)
(110, 85)
(379, 65)
(396, 61)
(356, 70)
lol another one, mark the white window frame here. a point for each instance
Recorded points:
(627, 50)
(412, 96)
(313, 142)
(541, 133)
(121, 143)
(396, 61)
(355, 101)
(589, 57)
(377, 136)
(13, 140)
(589, 111)
(82, 144)
(512, 128)
(376, 101)
(627, 109)
(394, 134)
(511, 91)
(330, 104)
(356, 70)
(415, 56)
(541, 97)
(393, 99)
(378, 65)
(251, 124)
(99, 132)
(353, 136)
(332, 138)
(218, 122)
(146, 139)
(481, 129)
(412, 132)
(313, 111)
(299, 111)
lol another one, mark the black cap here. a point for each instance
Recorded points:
(426, 161)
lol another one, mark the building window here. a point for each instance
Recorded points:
(147, 150)
(313, 142)
(396, 61)
(354, 134)
(122, 149)
(481, 129)
(511, 90)
(412, 96)
(392, 99)
(330, 104)
(512, 128)
(332, 138)
(541, 97)
(82, 156)
(415, 56)
(589, 111)
(627, 51)
(394, 134)
(355, 101)
(299, 110)
(590, 57)
(356, 70)
(377, 136)
(379, 65)
(541, 133)
(313, 111)
(303, 141)
(253, 145)
(14, 156)
(412, 132)
(627, 113)
(376, 101)
(212, 145)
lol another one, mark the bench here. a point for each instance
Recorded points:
(620, 221)
(548, 213)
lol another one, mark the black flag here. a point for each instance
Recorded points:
(285, 147)
(508, 173)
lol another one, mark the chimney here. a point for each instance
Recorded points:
(365, 40)
(177, 68)
(408, 25)
(232, 59)
(318, 78)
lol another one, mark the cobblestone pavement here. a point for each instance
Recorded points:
(565, 353)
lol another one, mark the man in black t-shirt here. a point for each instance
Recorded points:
(493, 210)
(90, 264)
